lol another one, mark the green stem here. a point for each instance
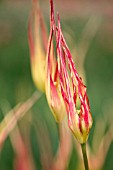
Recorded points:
(83, 146)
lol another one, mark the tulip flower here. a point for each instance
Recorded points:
(38, 45)
(53, 90)
(73, 91)
(64, 84)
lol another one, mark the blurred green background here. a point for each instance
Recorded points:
(78, 18)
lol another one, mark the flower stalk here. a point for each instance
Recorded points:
(83, 146)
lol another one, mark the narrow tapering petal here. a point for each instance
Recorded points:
(53, 90)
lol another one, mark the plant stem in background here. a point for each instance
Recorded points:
(83, 146)
(14, 115)
(62, 157)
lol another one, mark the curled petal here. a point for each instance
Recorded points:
(56, 103)
(53, 92)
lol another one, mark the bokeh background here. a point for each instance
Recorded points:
(88, 28)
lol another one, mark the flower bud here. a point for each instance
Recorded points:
(38, 45)
(73, 91)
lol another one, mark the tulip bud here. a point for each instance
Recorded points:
(38, 45)
(73, 91)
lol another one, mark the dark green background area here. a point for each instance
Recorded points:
(16, 83)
